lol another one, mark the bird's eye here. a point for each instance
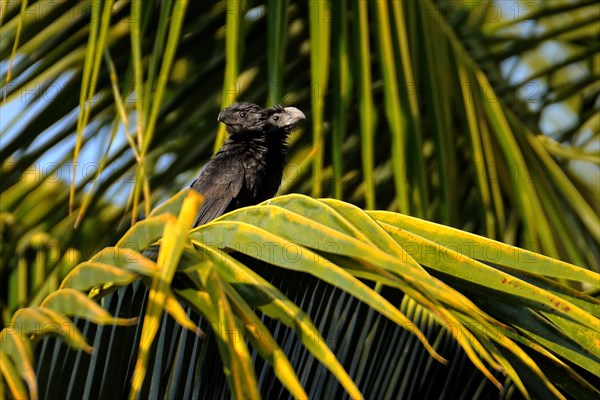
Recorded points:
(276, 117)
(243, 114)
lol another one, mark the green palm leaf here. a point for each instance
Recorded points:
(227, 292)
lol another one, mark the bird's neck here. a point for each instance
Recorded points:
(263, 150)
(244, 143)
(262, 144)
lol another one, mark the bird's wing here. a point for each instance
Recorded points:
(220, 181)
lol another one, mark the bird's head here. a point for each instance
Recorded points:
(283, 118)
(246, 117)
(243, 117)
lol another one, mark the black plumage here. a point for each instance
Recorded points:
(248, 168)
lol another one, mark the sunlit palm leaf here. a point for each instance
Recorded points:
(221, 281)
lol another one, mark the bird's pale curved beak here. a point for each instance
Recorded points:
(293, 115)
(221, 116)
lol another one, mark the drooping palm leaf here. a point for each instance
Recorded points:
(337, 243)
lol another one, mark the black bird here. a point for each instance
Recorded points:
(248, 168)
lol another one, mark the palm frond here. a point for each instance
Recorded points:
(501, 326)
